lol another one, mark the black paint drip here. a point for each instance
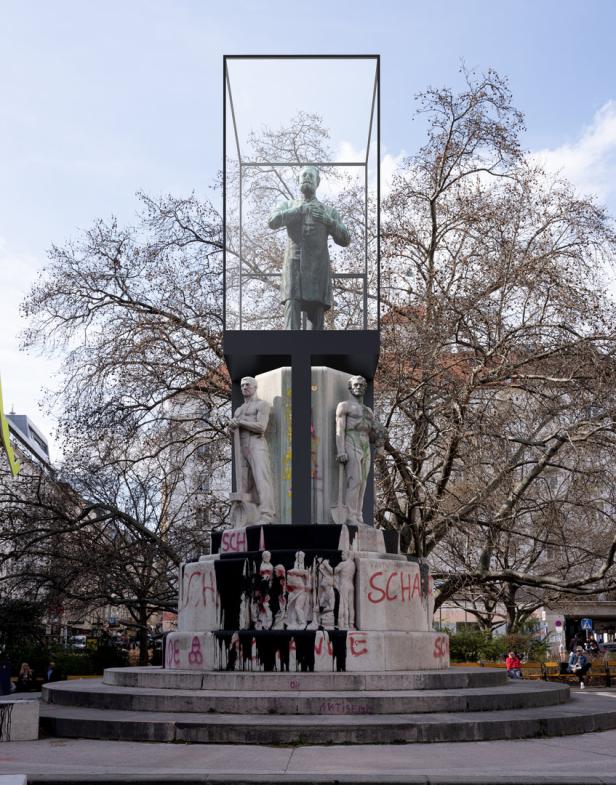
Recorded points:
(338, 640)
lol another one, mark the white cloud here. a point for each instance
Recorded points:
(590, 162)
(389, 166)
(348, 152)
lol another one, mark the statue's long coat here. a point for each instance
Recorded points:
(306, 274)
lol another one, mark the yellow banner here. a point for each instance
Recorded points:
(6, 440)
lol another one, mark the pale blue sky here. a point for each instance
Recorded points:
(98, 100)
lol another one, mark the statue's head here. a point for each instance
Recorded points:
(309, 180)
(248, 385)
(266, 557)
(357, 385)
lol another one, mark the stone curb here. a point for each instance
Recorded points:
(159, 678)
(566, 719)
(95, 695)
(317, 779)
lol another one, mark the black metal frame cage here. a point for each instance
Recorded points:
(372, 152)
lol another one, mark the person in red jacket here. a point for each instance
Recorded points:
(514, 666)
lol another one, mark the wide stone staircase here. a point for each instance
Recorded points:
(243, 707)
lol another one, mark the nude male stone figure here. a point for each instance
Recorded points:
(356, 430)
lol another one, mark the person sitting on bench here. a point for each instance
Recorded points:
(578, 665)
(514, 666)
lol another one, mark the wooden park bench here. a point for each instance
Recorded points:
(602, 673)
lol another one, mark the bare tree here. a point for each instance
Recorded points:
(497, 369)
(103, 532)
(497, 374)
(136, 312)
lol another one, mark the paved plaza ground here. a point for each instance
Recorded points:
(589, 758)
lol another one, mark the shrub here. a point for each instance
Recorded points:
(476, 645)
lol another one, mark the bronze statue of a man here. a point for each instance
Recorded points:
(306, 275)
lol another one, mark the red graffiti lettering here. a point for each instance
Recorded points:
(389, 596)
(293, 685)
(405, 588)
(194, 655)
(195, 602)
(173, 653)
(318, 647)
(409, 585)
(208, 587)
(233, 541)
(375, 598)
(358, 645)
(441, 647)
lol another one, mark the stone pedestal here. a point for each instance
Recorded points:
(275, 388)
(305, 597)
(19, 720)
(235, 605)
(328, 388)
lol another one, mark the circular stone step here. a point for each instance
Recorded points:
(584, 713)
(90, 693)
(159, 678)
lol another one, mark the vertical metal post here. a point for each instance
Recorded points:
(224, 193)
(240, 241)
(301, 411)
(378, 193)
(366, 246)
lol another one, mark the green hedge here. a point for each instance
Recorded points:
(92, 661)
(476, 645)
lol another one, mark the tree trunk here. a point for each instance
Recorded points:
(143, 635)
(512, 608)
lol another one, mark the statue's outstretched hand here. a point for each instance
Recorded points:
(342, 457)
